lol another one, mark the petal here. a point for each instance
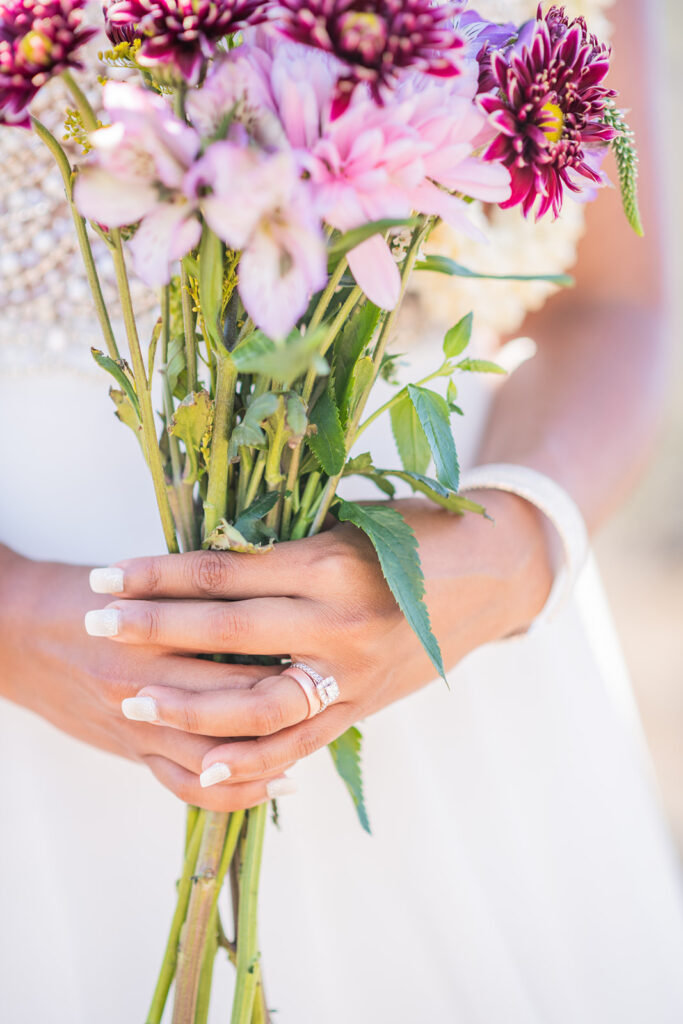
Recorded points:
(159, 240)
(106, 199)
(479, 179)
(375, 271)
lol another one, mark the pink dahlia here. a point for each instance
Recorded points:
(37, 41)
(549, 109)
(376, 39)
(182, 34)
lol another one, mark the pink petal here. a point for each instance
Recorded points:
(106, 199)
(376, 272)
(162, 238)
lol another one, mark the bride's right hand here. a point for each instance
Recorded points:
(50, 665)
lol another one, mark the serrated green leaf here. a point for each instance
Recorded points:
(359, 464)
(396, 547)
(283, 361)
(434, 416)
(345, 753)
(445, 265)
(117, 369)
(191, 422)
(249, 524)
(411, 441)
(350, 239)
(458, 338)
(433, 490)
(361, 381)
(479, 366)
(327, 443)
(349, 345)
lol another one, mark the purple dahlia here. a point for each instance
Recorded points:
(37, 41)
(549, 108)
(180, 33)
(376, 39)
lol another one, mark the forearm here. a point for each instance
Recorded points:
(586, 408)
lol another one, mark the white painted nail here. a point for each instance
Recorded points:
(218, 772)
(140, 709)
(106, 581)
(102, 622)
(280, 787)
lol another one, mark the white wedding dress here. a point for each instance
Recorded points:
(519, 871)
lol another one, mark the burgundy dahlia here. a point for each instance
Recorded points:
(376, 39)
(549, 109)
(182, 34)
(37, 41)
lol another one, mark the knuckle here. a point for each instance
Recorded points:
(231, 625)
(151, 575)
(263, 763)
(151, 624)
(210, 573)
(308, 743)
(268, 716)
(189, 716)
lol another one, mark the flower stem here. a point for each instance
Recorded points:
(189, 330)
(395, 399)
(62, 161)
(247, 939)
(326, 297)
(171, 954)
(217, 492)
(142, 387)
(199, 915)
(82, 102)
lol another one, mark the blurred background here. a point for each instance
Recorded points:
(641, 550)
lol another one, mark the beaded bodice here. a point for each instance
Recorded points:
(47, 320)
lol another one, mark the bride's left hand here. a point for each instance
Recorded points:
(323, 600)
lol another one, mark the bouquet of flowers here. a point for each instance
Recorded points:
(273, 170)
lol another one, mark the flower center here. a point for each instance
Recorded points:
(35, 48)
(363, 33)
(552, 125)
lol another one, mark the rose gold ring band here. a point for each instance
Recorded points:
(308, 687)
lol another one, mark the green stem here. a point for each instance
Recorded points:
(82, 235)
(326, 296)
(394, 400)
(247, 939)
(82, 102)
(151, 442)
(206, 976)
(217, 492)
(168, 965)
(182, 489)
(189, 329)
(338, 322)
(255, 480)
(199, 914)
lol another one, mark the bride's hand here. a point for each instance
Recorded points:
(324, 601)
(50, 665)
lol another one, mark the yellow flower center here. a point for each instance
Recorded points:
(553, 122)
(35, 48)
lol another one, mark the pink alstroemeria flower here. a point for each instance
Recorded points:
(257, 204)
(136, 173)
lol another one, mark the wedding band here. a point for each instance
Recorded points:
(309, 688)
(326, 687)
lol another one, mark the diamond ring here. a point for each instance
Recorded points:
(326, 687)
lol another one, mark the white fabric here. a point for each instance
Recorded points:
(519, 869)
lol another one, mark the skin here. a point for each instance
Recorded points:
(599, 374)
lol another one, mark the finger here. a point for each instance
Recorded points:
(281, 572)
(272, 704)
(266, 625)
(257, 758)
(185, 785)
(186, 672)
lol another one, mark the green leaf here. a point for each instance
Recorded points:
(191, 422)
(284, 362)
(445, 265)
(297, 420)
(361, 381)
(249, 524)
(211, 285)
(435, 491)
(411, 441)
(345, 753)
(479, 366)
(327, 443)
(626, 154)
(350, 239)
(396, 547)
(435, 418)
(117, 368)
(248, 433)
(126, 413)
(349, 345)
(458, 338)
(362, 465)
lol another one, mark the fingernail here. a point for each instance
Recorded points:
(218, 772)
(107, 581)
(280, 787)
(102, 622)
(140, 709)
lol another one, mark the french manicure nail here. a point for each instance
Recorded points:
(106, 581)
(102, 622)
(140, 709)
(280, 787)
(218, 772)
